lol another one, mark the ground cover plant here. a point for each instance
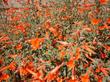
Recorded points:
(59, 41)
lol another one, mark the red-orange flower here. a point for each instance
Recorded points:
(95, 21)
(20, 27)
(107, 47)
(100, 79)
(102, 27)
(19, 47)
(47, 24)
(65, 17)
(54, 31)
(48, 13)
(12, 66)
(36, 43)
(4, 76)
(77, 53)
(108, 20)
(103, 55)
(85, 78)
(103, 1)
(23, 71)
(70, 63)
(62, 54)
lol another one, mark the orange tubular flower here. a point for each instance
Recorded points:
(4, 77)
(23, 71)
(36, 43)
(85, 78)
(12, 66)
(95, 21)
(70, 63)
(19, 47)
(21, 28)
(103, 1)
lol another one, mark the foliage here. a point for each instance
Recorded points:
(66, 41)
